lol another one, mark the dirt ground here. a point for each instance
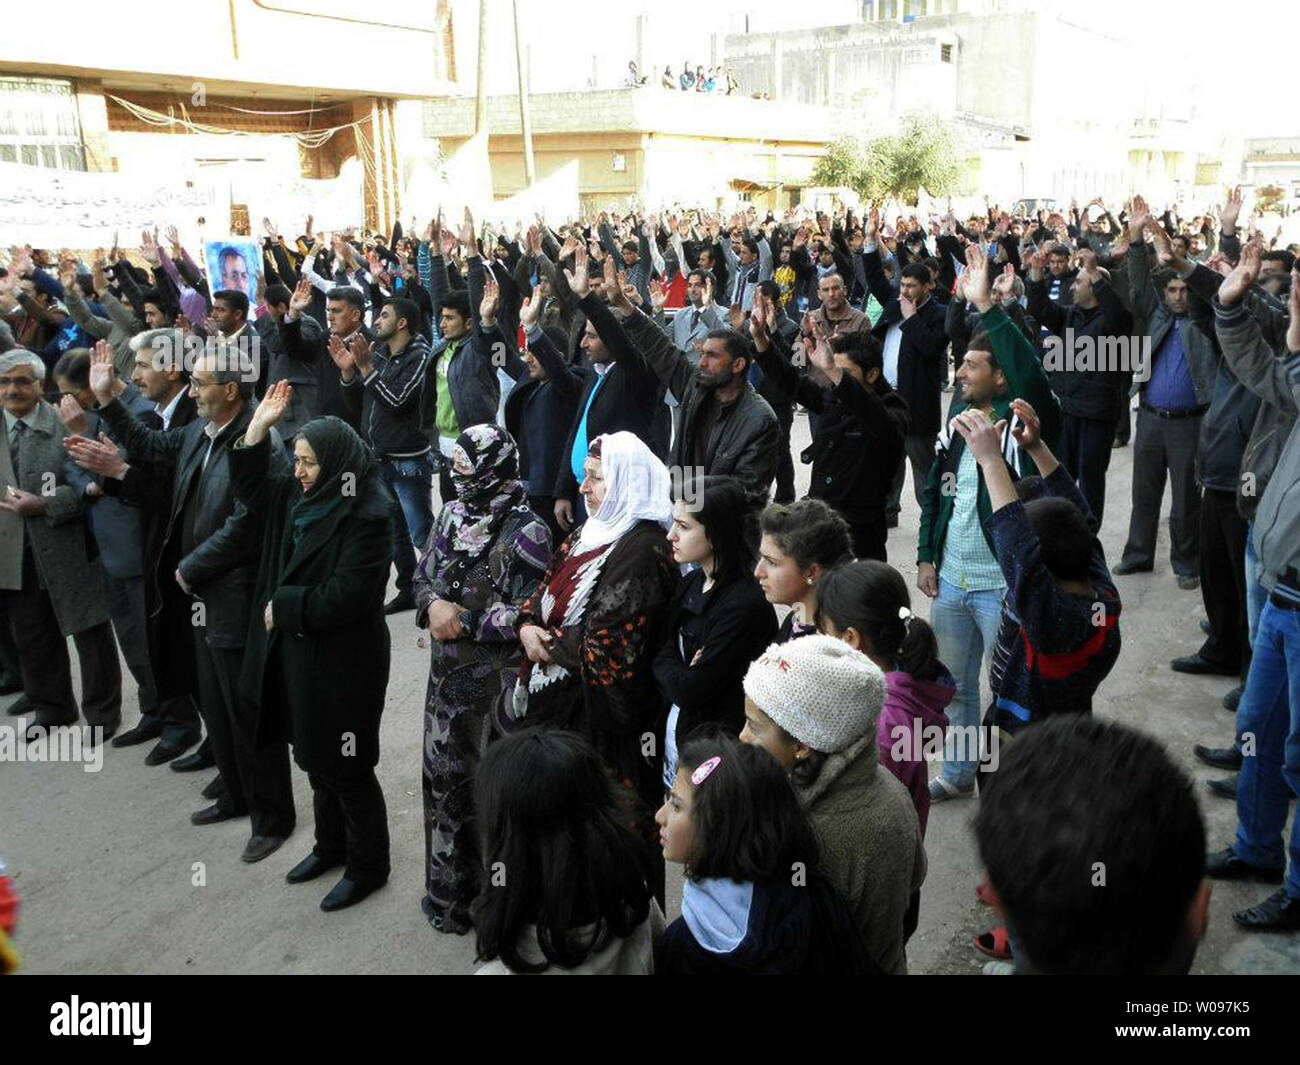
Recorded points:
(108, 864)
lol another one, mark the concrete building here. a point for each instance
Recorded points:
(263, 95)
(1046, 105)
(1273, 161)
(658, 145)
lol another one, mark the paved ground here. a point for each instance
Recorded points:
(109, 866)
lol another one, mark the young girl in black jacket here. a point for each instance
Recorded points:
(720, 620)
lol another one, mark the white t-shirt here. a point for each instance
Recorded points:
(893, 342)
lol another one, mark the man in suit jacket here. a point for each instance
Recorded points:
(304, 344)
(159, 376)
(911, 331)
(51, 586)
(219, 545)
(622, 392)
(119, 532)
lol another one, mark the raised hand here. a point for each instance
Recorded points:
(433, 232)
(360, 350)
(103, 378)
(71, 414)
(577, 279)
(976, 278)
(269, 411)
(487, 309)
(736, 316)
(342, 357)
(981, 435)
(1028, 431)
(759, 328)
(467, 234)
(658, 294)
(1164, 246)
(300, 300)
(1237, 284)
(1230, 211)
(99, 457)
(1138, 216)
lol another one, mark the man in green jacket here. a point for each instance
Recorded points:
(956, 565)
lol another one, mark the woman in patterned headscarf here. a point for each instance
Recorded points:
(484, 558)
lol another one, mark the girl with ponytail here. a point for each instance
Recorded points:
(866, 604)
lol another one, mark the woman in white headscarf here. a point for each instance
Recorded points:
(591, 631)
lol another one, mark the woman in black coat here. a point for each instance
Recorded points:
(316, 661)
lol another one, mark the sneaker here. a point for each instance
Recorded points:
(942, 790)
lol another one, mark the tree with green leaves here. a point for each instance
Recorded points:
(921, 155)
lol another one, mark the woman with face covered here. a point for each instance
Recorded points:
(486, 553)
(316, 659)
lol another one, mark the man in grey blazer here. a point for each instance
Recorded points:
(52, 588)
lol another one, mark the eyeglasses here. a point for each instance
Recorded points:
(21, 382)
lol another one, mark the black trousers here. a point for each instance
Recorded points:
(1223, 581)
(46, 668)
(1165, 446)
(1085, 451)
(126, 609)
(784, 460)
(918, 451)
(256, 778)
(868, 536)
(352, 822)
(10, 666)
(1124, 425)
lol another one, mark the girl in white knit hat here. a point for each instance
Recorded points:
(812, 704)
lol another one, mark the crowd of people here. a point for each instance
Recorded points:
(717, 79)
(568, 451)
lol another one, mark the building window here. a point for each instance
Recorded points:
(39, 124)
(945, 53)
(619, 163)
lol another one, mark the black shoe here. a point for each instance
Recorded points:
(210, 815)
(1228, 758)
(214, 788)
(145, 731)
(1233, 697)
(891, 522)
(1117, 442)
(348, 893)
(1196, 664)
(164, 752)
(258, 847)
(192, 763)
(1223, 787)
(1126, 566)
(40, 730)
(100, 733)
(21, 705)
(1188, 582)
(397, 605)
(1225, 865)
(311, 867)
(1277, 913)
(1205, 628)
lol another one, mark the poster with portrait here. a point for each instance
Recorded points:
(233, 263)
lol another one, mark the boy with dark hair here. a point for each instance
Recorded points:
(1087, 886)
(1059, 634)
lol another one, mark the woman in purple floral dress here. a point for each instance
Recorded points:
(484, 558)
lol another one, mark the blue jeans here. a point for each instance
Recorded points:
(966, 627)
(1255, 591)
(1270, 713)
(411, 482)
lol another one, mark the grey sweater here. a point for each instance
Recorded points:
(871, 845)
(1277, 382)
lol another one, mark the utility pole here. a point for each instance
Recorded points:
(480, 104)
(525, 121)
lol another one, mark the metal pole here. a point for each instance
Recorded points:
(525, 121)
(480, 104)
